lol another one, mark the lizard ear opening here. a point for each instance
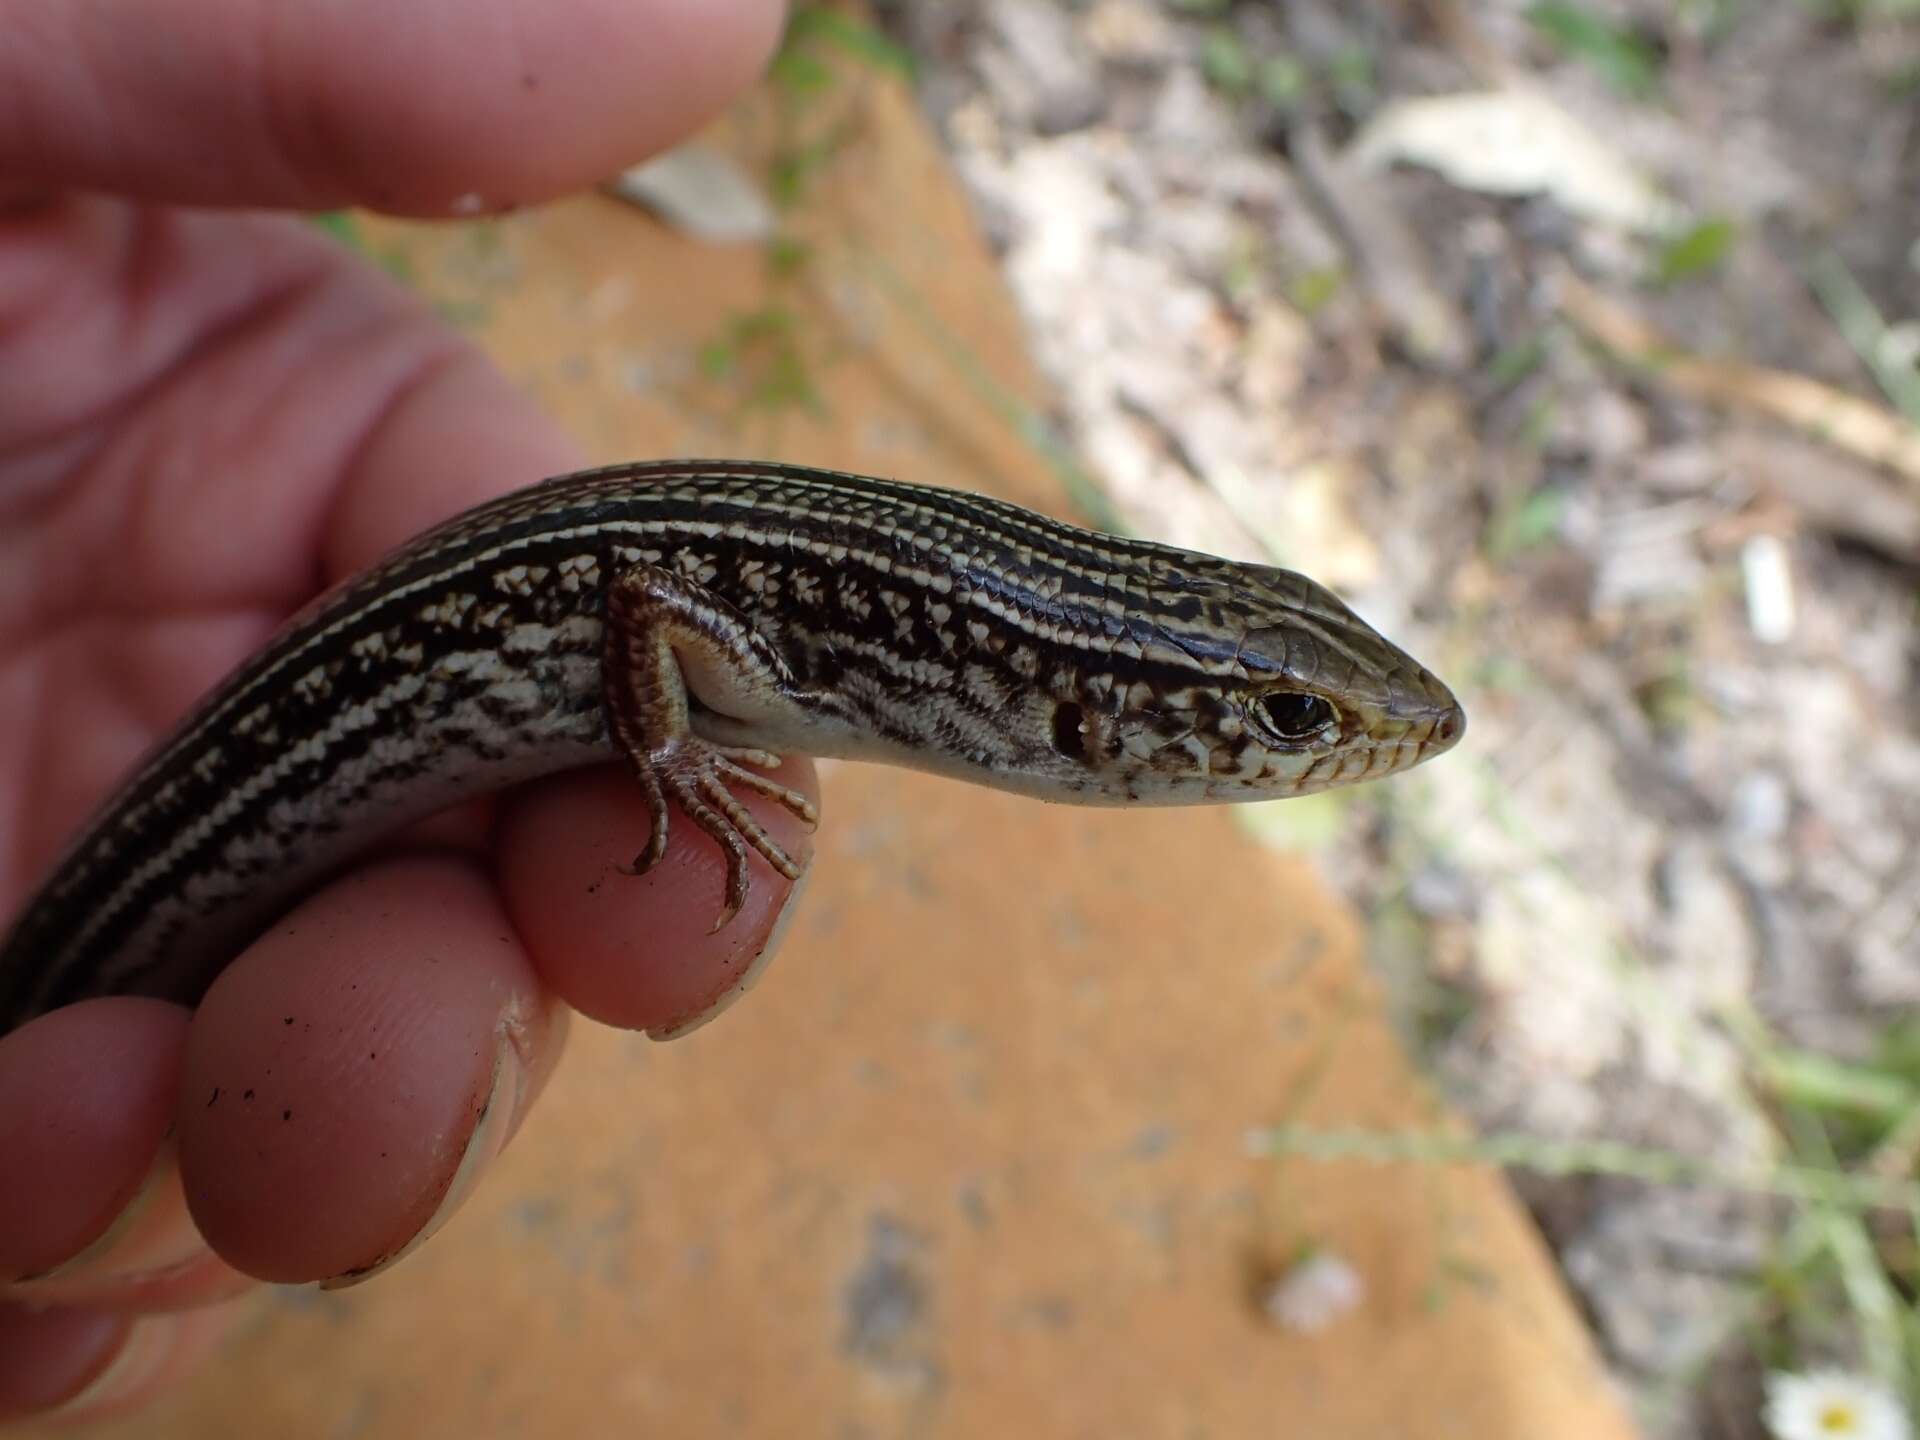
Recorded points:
(1070, 731)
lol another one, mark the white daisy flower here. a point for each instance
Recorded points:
(1833, 1405)
(1314, 1292)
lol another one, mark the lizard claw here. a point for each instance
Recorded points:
(695, 775)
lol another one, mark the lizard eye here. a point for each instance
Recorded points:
(1291, 716)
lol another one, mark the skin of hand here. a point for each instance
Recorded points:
(208, 413)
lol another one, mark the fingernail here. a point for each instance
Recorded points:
(153, 1232)
(506, 1088)
(140, 1358)
(749, 977)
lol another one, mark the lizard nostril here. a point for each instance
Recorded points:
(1449, 727)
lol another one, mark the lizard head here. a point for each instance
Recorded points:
(1251, 682)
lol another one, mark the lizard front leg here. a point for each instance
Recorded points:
(658, 627)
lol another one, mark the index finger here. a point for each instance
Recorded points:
(417, 109)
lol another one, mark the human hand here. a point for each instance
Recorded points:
(206, 415)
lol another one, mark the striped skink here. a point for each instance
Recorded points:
(698, 618)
